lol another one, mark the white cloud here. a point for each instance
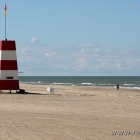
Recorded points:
(87, 45)
(80, 63)
(84, 60)
(34, 40)
(49, 54)
(96, 49)
(117, 65)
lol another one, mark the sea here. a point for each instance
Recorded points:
(130, 82)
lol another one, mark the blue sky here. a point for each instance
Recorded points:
(75, 37)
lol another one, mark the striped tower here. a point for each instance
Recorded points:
(8, 66)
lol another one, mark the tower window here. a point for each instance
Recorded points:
(9, 77)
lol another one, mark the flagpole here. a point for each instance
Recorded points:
(5, 24)
(5, 11)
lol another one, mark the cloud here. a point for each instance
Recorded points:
(80, 63)
(96, 49)
(34, 40)
(50, 54)
(117, 60)
(87, 45)
(87, 59)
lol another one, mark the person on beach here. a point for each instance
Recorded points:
(117, 86)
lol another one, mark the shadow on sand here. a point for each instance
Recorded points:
(23, 92)
(29, 93)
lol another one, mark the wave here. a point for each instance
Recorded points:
(87, 84)
(27, 82)
(102, 84)
(62, 83)
(135, 87)
(31, 82)
(129, 87)
(40, 82)
(129, 84)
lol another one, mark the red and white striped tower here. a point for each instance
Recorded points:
(8, 66)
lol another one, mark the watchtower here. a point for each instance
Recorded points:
(8, 66)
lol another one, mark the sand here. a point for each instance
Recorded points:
(72, 113)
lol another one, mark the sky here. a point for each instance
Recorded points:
(74, 37)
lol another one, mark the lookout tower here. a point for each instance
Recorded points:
(8, 66)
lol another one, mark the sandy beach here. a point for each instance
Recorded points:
(71, 113)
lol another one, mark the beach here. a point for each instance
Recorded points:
(71, 113)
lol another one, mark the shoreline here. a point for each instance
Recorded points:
(42, 89)
(56, 88)
(47, 85)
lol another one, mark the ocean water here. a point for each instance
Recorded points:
(131, 82)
